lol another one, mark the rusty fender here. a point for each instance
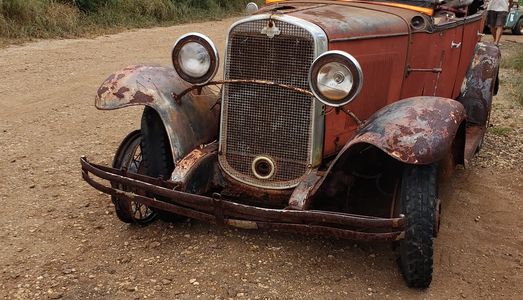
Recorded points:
(418, 130)
(190, 123)
(480, 83)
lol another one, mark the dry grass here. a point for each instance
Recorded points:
(513, 63)
(23, 20)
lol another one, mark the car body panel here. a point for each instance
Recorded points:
(513, 17)
(478, 87)
(418, 130)
(192, 122)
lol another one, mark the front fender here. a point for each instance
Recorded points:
(191, 122)
(418, 130)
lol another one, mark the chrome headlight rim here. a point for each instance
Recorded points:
(348, 61)
(251, 8)
(208, 45)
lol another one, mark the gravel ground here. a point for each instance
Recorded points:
(60, 238)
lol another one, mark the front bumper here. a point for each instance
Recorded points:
(218, 211)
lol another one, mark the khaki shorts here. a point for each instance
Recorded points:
(496, 18)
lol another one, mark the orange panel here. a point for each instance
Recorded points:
(382, 61)
(470, 39)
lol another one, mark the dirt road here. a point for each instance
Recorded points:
(60, 239)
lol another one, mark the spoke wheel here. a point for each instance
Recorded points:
(129, 156)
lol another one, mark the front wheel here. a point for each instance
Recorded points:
(518, 29)
(418, 201)
(129, 156)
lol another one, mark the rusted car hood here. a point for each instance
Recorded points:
(345, 20)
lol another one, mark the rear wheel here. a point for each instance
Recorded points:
(518, 29)
(418, 201)
(129, 156)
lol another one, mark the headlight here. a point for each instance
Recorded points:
(251, 8)
(335, 78)
(195, 58)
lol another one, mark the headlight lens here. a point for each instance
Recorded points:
(335, 78)
(334, 81)
(195, 58)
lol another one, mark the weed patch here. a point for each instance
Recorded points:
(22, 20)
(514, 65)
(500, 131)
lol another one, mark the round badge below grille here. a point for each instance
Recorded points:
(263, 167)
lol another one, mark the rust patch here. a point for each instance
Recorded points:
(416, 130)
(479, 85)
(301, 197)
(188, 161)
(121, 92)
(140, 97)
(102, 90)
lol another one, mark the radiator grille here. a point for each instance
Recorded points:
(267, 120)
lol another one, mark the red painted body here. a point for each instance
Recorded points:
(382, 39)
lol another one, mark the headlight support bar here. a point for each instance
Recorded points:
(178, 97)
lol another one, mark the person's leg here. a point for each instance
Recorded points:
(499, 32)
(491, 23)
(501, 18)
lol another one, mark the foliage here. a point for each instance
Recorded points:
(515, 62)
(88, 5)
(499, 130)
(25, 19)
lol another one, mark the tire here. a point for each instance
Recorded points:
(129, 156)
(518, 28)
(156, 154)
(418, 202)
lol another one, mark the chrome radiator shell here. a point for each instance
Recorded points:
(270, 121)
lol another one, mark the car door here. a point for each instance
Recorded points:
(447, 46)
(434, 58)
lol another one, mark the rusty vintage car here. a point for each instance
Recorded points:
(335, 118)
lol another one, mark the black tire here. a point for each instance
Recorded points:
(156, 154)
(418, 196)
(129, 156)
(518, 28)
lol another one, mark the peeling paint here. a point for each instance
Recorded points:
(416, 130)
(478, 86)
